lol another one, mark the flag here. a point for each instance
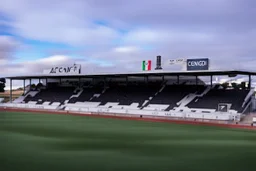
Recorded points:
(146, 65)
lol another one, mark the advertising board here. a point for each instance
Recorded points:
(197, 64)
(222, 107)
(177, 61)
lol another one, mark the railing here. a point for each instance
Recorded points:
(176, 114)
(209, 116)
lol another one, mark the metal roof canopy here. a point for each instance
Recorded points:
(146, 73)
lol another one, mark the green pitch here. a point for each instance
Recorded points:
(35, 142)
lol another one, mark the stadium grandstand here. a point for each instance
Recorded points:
(179, 94)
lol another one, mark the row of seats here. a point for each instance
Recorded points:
(86, 95)
(52, 94)
(144, 95)
(130, 94)
(217, 96)
(174, 93)
(126, 95)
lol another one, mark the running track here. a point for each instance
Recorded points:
(133, 118)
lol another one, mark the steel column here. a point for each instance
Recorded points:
(46, 82)
(250, 82)
(11, 90)
(24, 86)
(211, 80)
(127, 80)
(29, 84)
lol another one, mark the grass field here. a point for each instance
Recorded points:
(59, 142)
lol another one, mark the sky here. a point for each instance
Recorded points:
(116, 35)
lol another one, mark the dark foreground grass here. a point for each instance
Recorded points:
(34, 142)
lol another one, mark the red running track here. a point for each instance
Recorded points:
(134, 118)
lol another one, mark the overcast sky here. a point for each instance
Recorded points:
(116, 35)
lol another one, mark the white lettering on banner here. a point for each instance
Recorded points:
(197, 63)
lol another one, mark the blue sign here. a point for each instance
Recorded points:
(197, 64)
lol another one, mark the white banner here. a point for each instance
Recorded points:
(177, 61)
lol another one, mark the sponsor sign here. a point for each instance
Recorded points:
(177, 61)
(58, 70)
(223, 107)
(197, 64)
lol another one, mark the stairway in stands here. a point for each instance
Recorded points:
(190, 97)
(218, 95)
(147, 102)
(174, 95)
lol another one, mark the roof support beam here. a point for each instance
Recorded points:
(211, 80)
(143, 74)
(250, 82)
(29, 84)
(24, 86)
(46, 82)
